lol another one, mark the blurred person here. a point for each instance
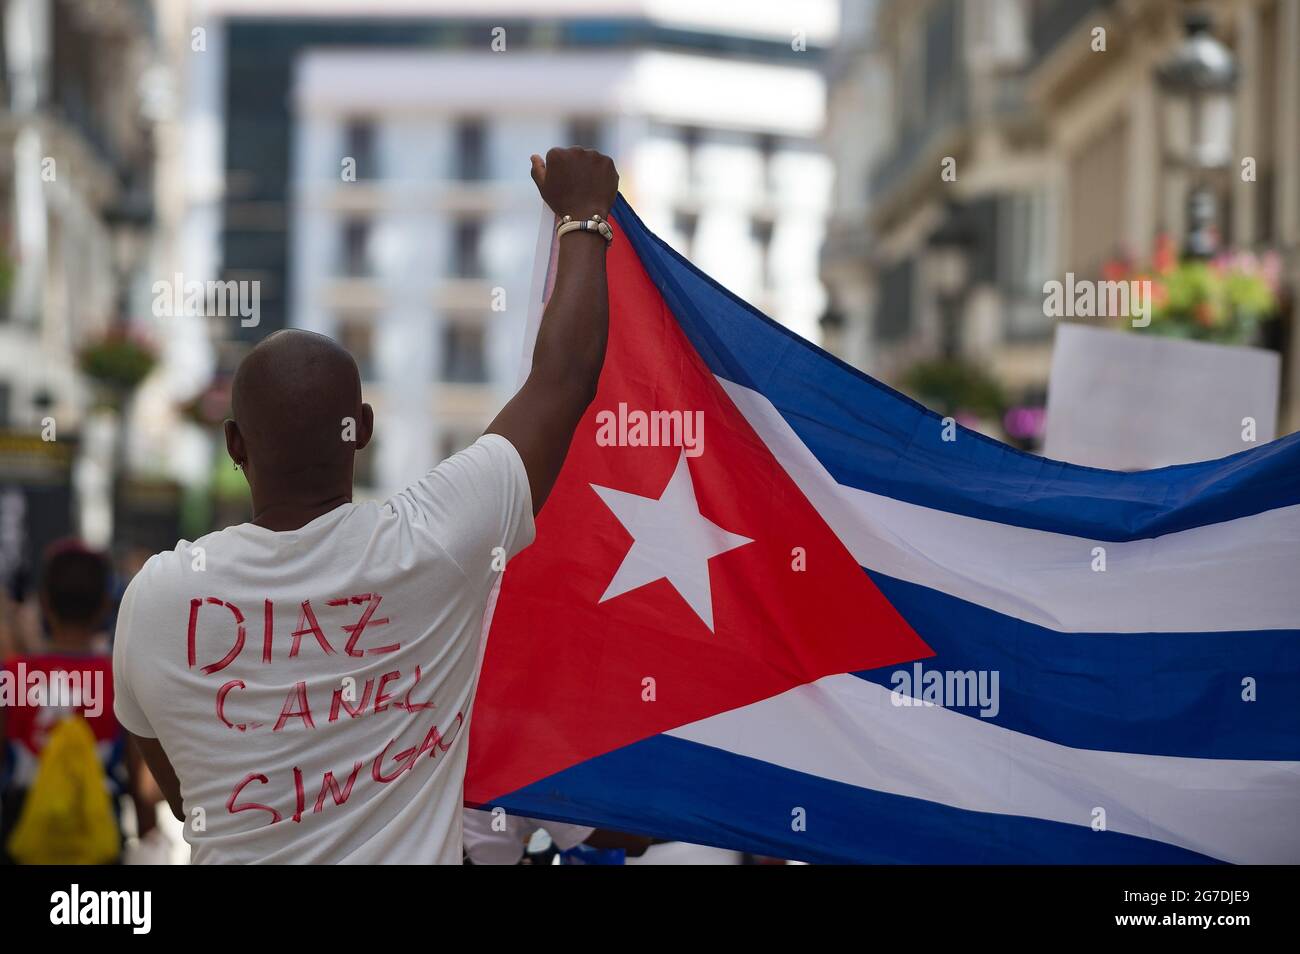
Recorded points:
(154, 843)
(8, 633)
(501, 838)
(20, 616)
(68, 680)
(342, 737)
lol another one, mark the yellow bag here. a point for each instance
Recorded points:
(67, 817)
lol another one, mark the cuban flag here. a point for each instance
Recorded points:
(840, 629)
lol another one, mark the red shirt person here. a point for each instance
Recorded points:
(72, 676)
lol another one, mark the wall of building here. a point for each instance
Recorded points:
(742, 191)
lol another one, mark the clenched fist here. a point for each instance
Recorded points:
(577, 182)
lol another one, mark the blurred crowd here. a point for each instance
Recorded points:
(71, 789)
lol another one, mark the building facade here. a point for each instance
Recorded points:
(76, 152)
(1034, 127)
(384, 199)
(76, 179)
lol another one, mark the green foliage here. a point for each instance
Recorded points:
(8, 272)
(955, 388)
(117, 361)
(1223, 299)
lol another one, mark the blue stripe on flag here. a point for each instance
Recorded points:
(685, 791)
(1176, 694)
(871, 437)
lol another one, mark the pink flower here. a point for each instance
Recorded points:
(1159, 294)
(1114, 270)
(1166, 256)
(1271, 270)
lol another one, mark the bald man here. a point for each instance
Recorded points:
(300, 685)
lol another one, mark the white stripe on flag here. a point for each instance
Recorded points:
(1224, 577)
(848, 730)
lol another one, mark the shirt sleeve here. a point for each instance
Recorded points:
(487, 846)
(475, 502)
(565, 836)
(125, 705)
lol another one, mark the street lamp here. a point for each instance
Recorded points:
(1198, 82)
(130, 221)
(832, 323)
(948, 251)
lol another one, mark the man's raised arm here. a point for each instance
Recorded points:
(570, 350)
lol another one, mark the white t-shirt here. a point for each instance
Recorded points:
(312, 687)
(499, 838)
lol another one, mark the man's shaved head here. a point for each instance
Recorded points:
(295, 395)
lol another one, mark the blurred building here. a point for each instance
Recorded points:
(376, 177)
(939, 88)
(1055, 163)
(76, 166)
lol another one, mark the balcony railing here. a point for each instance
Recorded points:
(1054, 20)
(896, 165)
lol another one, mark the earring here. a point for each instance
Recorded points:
(236, 463)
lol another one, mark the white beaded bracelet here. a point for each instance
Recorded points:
(594, 224)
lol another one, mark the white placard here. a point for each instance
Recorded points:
(1133, 401)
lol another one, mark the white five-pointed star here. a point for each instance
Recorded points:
(671, 540)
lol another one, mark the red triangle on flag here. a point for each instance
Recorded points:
(567, 676)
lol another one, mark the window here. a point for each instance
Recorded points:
(761, 231)
(1097, 183)
(356, 248)
(464, 353)
(466, 241)
(941, 65)
(766, 144)
(357, 334)
(997, 33)
(685, 224)
(909, 78)
(894, 309)
(359, 144)
(1025, 261)
(471, 150)
(690, 137)
(585, 133)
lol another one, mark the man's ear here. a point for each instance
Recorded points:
(366, 430)
(235, 443)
